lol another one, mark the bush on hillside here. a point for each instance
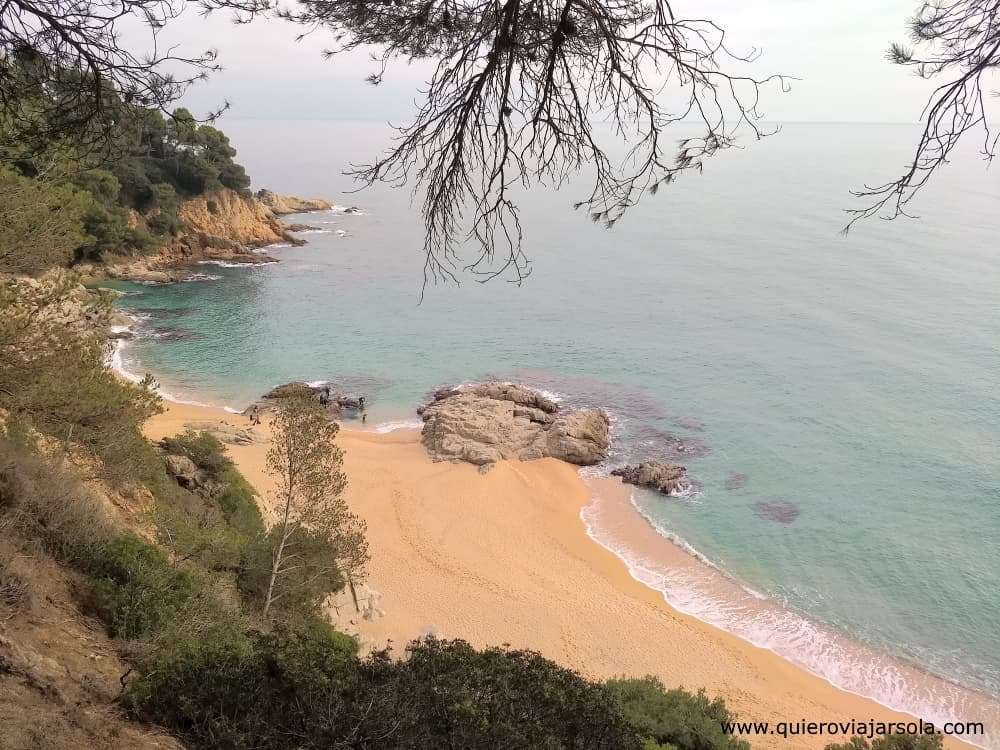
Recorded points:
(232, 493)
(53, 376)
(292, 689)
(46, 505)
(893, 742)
(674, 718)
(42, 223)
(137, 590)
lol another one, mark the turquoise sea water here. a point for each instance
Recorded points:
(852, 380)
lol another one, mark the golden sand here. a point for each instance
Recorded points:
(504, 558)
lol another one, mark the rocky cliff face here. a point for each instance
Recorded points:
(235, 218)
(290, 204)
(223, 225)
(485, 423)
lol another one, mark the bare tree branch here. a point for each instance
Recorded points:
(530, 92)
(960, 42)
(63, 64)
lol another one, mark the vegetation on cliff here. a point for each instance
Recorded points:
(77, 202)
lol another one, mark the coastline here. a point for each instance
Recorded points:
(507, 557)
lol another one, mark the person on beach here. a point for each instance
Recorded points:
(361, 404)
(364, 417)
(324, 397)
(254, 416)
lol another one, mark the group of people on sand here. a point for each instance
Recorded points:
(324, 399)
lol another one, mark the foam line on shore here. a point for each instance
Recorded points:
(705, 592)
(117, 362)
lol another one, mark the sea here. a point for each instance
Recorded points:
(834, 397)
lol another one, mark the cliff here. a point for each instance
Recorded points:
(224, 226)
(290, 204)
(234, 217)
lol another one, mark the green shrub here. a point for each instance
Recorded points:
(53, 376)
(210, 688)
(674, 718)
(232, 493)
(893, 742)
(294, 688)
(137, 589)
(315, 577)
(44, 504)
(195, 531)
(207, 451)
(42, 222)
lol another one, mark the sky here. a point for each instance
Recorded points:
(836, 49)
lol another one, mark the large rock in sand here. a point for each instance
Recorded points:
(656, 475)
(489, 422)
(579, 437)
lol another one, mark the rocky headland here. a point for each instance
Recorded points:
(223, 226)
(488, 422)
(290, 204)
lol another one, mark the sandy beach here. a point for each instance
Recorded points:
(504, 558)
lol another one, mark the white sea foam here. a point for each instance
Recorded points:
(117, 361)
(402, 424)
(228, 264)
(707, 593)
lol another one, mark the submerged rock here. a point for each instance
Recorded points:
(656, 475)
(780, 511)
(736, 480)
(489, 422)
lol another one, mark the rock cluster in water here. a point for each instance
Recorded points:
(335, 402)
(670, 479)
(488, 422)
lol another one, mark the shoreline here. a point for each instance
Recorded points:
(535, 576)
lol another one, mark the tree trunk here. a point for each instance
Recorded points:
(276, 565)
(274, 575)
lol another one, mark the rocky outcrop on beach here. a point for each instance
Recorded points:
(291, 204)
(336, 401)
(225, 432)
(352, 605)
(670, 479)
(488, 422)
